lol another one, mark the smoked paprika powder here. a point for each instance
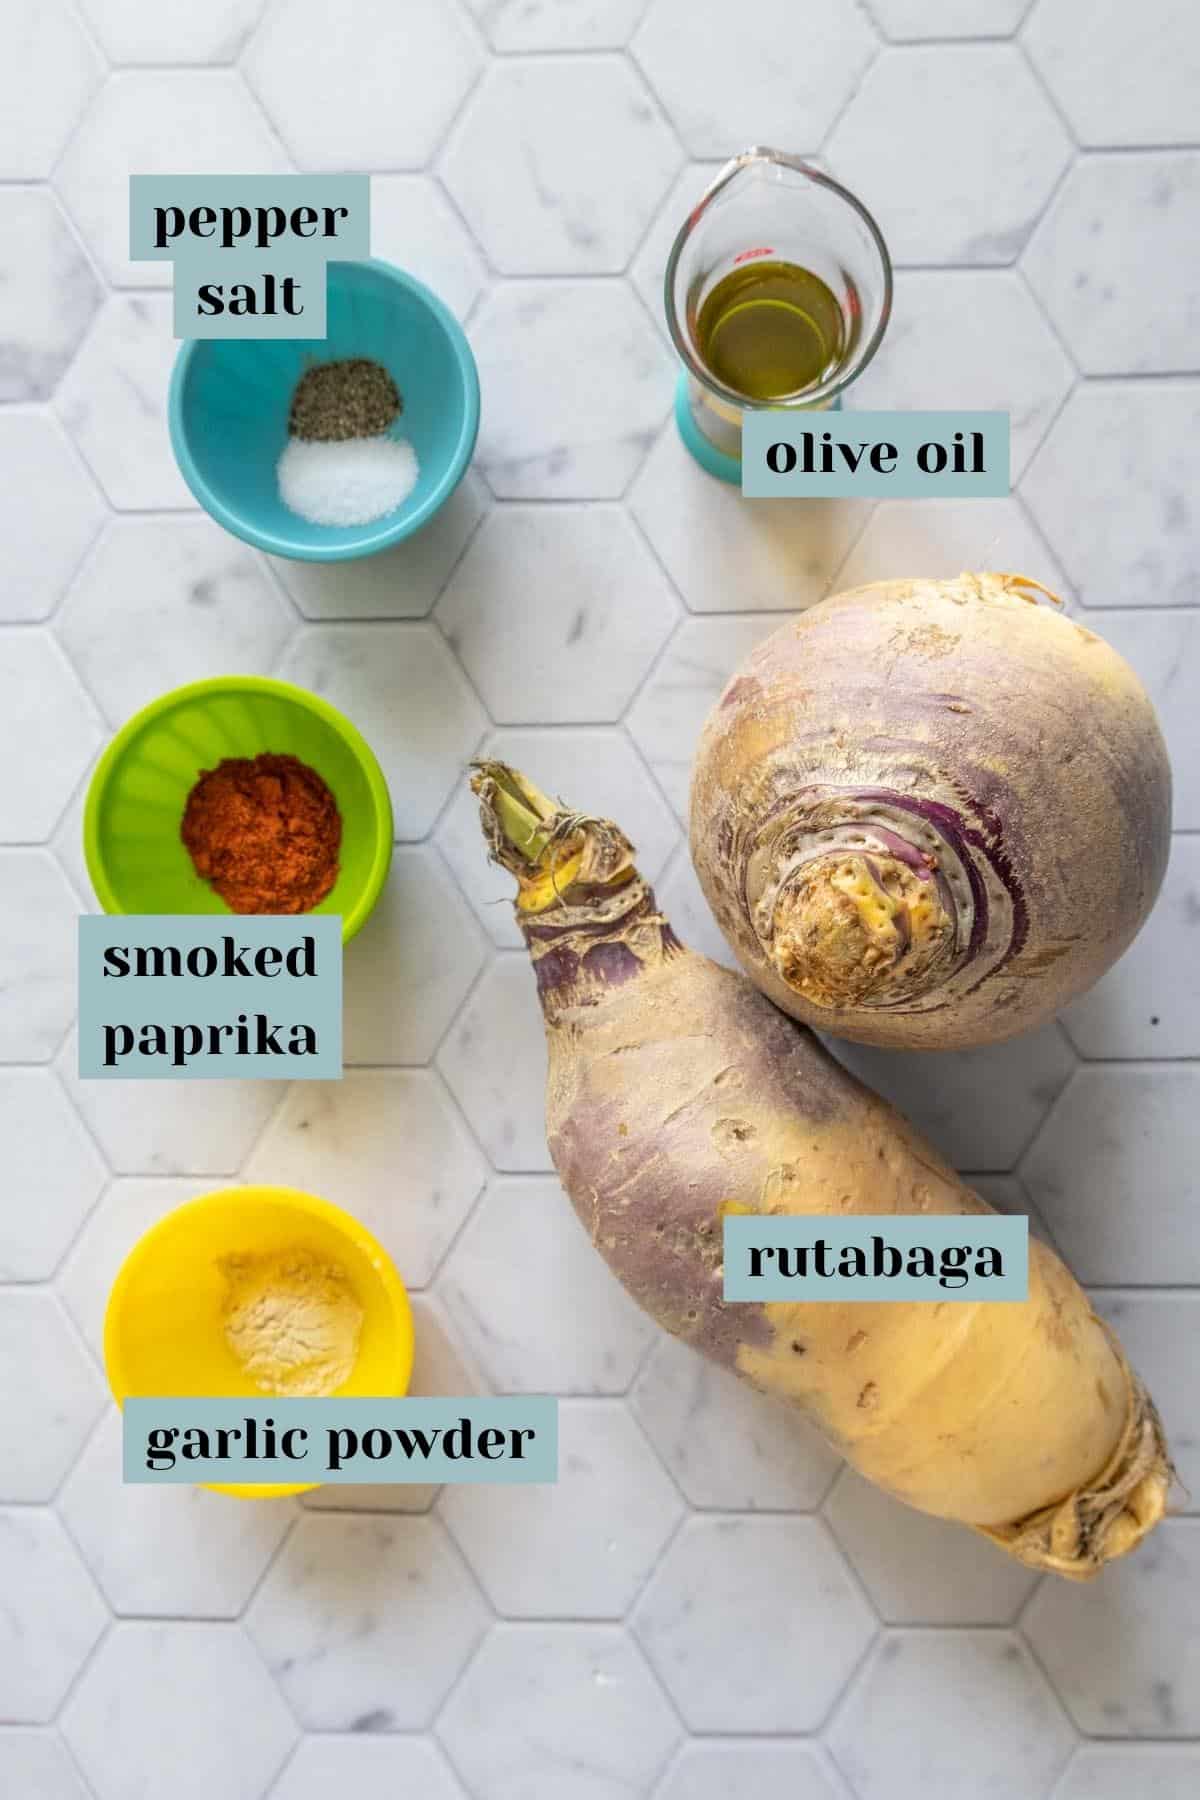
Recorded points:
(266, 832)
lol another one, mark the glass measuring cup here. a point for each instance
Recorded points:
(765, 205)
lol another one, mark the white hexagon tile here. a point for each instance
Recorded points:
(708, 1605)
(194, 602)
(48, 525)
(558, 1712)
(591, 1346)
(577, 381)
(113, 402)
(957, 185)
(50, 293)
(523, 165)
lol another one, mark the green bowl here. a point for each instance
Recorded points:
(135, 855)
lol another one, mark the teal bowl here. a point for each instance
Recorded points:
(230, 398)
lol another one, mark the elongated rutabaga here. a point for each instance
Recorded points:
(927, 814)
(677, 1093)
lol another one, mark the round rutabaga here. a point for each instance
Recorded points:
(677, 1094)
(927, 814)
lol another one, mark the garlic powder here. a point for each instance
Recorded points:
(293, 1321)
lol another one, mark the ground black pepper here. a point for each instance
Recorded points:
(351, 398)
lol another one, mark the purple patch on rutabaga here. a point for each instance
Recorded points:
(612, 963)
(556, 969)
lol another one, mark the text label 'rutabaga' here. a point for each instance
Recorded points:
(180, 996)
(960, 1257)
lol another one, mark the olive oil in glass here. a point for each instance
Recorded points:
(770, 329)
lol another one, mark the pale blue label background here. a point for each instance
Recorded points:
(201, 260)
(215, 999)
(320, 1418)
(905, 431)
(1009, 1236)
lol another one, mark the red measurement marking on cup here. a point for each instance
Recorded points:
(750, 255)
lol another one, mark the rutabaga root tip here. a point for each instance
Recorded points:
(1020, 587)
(538, 839)
(1108, 1518)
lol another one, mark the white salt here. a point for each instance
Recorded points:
(349, 483)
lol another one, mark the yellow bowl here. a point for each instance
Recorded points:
(163, 1331)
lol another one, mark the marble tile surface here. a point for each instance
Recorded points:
(366, 1621)
(171, 1127)
(1149, 1003)
(48, 725)
(50, 293)
(600, 1528)
(377, 93)
(700, 1617)
(558, 1712)
(53, 1163)
(193, 1697)
(744, 1770)
(1113, 219)
(1153, 1689)
(173, 31)
(523, 1235)
(414, 224)
(943, 537)
(1163, 648)
(113, 402)
(557, 613)
(422, 948)
(523, 166)
(37, 1765)
(52, 1617)
(667, 715)
(977, 204)
(947, 1706)
(43, 1424)
(707, 1606)
(923, 1571)
(370, 1768)
(50, 67)
(1113, 488)
(389, 1146)
(194, 602)
(1120, 77)
(129, 1206)
(1113, 1173)
(726, 554)
(1157, 1331)
(578, 383)
(931, 358)
(939, 1091)
(47, 526)
(494, 1059)
(409, 699)
(37, 979)
(780, 76)
(557, 24)
(165, 1551)
(906, 21)
(1111, 1771)
(149, 122)
(729, 1448)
